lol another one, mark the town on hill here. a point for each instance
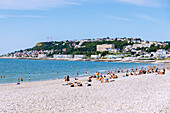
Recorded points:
(106, 48)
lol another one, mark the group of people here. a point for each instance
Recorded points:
(21, 80)
(109, 76)
(2, 76)
(66, 78)
(72, 84)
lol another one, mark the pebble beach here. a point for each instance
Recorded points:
(147, 93)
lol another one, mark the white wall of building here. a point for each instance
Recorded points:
(62, 56)
(79, 56)
(42, 55)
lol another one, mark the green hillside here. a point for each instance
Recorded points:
(87, 48)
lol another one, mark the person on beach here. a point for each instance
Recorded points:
(68, 78)
(29, 78)
(21, 79)
(89, 79)
(127, 74)
(106, 80)
(18, 79)
(75, 78)
(18, 83)
(156, 70)
(65, 79)
(101, 73)
(163, 70)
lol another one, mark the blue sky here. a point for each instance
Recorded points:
(23, 23)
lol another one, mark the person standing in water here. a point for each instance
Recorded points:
(18, 79)
(21, 79)
(29, 78)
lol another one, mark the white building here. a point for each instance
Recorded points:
(62, 56)
(42, 55)
(96, 56)
(79, 56)
(135, 46)
(161, 54)
(127, 48)
(113, 56)
(113, 50)
(129, 58)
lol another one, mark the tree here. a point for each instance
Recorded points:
(104, 53)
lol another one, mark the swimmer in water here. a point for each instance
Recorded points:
(86, 71)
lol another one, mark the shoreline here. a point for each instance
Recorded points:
(120, 76)
(93, 60)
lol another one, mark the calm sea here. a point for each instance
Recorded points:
(47, 69)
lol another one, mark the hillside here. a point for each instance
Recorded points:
(69, 47)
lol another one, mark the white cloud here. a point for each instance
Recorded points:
(119, 18)
(153, 3)
(20, 16)
(34, 4)
(46, 4)
(148, 18)
(134, 18)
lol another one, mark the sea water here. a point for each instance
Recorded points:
(39, 70)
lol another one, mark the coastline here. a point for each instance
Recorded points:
(92, 60)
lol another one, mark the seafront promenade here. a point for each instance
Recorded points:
(144, 93)
(93, 60)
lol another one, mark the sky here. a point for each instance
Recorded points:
(23, 23)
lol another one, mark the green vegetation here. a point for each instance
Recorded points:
(154, 48)
(88, 48)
